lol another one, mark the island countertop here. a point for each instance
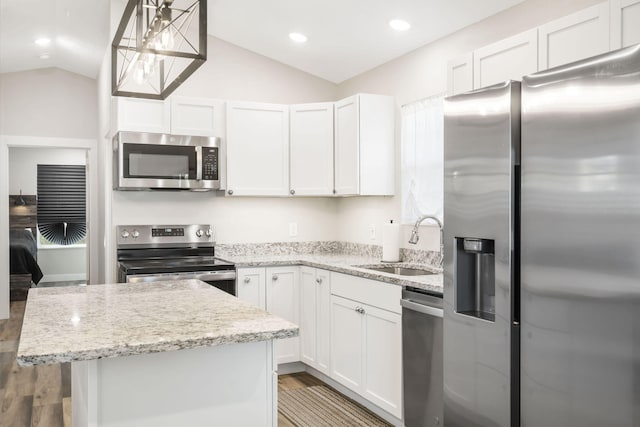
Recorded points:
(99, 321)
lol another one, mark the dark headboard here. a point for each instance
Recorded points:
(23, 216)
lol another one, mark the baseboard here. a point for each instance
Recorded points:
(63, 277)
(290, 368)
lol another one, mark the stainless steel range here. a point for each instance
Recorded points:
(149, 253)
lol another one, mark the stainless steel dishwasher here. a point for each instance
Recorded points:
(422, 358)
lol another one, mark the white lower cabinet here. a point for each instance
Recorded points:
(282, 300)
(276, 290)
(315, 318)
(366, 341)
(250, 284)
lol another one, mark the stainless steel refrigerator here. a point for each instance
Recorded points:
(542, 249)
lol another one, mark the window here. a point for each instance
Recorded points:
(62, 204)
(422, 159)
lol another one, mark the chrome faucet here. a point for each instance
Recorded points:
(414, 233)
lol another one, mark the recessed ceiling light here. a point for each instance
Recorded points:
(297, 37)
(399, 25)
(43, 41)
(45, 56)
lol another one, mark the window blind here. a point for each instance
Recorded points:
(62, 191)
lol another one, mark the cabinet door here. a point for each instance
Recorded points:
(346, 342)
(347, 150)
(574, 37)
(251, 286)
(508, 59)
(460, 74)
(625, 23)
(311, 162)
(308, 316)
(140, 115)
(323, 322)
(197, 116)
(382, 359)
(257, 149)
(283, 300)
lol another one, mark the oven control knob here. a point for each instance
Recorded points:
(208, 233)
(199, 233)
(124, 234)
(135, 234)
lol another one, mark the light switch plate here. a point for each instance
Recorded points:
(293, 229)
(372, 231)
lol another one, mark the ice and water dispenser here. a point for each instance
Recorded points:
(475, 278)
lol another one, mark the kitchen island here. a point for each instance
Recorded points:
(178, 353)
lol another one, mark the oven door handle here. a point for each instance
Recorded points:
(206, 276)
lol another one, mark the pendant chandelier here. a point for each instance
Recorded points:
(158, 45)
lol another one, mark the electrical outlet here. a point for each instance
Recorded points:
(372, 231)
(293, 229)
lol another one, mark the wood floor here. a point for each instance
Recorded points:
(40, 396)
(32, 396)
(291, 382)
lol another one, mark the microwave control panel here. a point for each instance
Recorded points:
(210, 163)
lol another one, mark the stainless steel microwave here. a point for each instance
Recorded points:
(150, 161)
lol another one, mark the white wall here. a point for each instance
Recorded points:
(48, 102)
(423, 73)
(234, 73)
(23, 165)
(57, 264)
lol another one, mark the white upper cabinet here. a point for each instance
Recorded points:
(197, 116)
(574, 37)
(460, 74)
(140, 115)
(508, 59)
(347, 138)
(257, 149)
(364, 145)
(178, 115)
(625, 23)
(311, 149)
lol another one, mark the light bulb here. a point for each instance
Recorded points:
(141, 71)
(167, 38)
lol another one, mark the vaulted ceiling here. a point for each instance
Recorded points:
(345, 38)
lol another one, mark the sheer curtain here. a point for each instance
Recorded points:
(422, 158)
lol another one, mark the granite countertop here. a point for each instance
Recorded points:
(93, 322)
(344, 263)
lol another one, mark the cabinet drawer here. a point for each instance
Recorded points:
(377, 294)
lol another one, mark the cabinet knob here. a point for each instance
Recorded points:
(274, 277)
(292, 192)
(230, 192)
(319, 280)
(360, 310)
(247, 279)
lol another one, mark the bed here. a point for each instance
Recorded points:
(23, 248)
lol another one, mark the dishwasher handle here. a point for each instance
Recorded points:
(421, 308)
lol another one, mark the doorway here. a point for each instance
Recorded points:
(30, 146)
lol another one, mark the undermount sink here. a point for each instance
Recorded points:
(401, 271)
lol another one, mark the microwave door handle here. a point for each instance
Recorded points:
(198, 163)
